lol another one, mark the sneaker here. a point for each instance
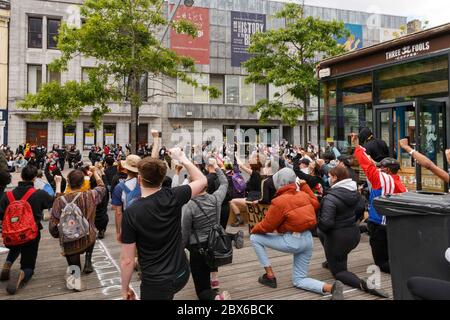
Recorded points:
(101, 234)
(337, 291)
(325, 265)
(238, 222)
(215, 284)
(4, 276)
(74, 282)
(269, 282)
(225, 295)
(16, 282)
(239, 239)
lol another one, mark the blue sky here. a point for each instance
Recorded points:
(437, 12)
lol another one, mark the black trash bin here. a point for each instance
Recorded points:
(418, 230)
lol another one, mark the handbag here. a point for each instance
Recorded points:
(219, 249)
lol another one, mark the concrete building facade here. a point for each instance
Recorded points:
(31, 49)
(4, 37)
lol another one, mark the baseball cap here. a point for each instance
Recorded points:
(389, 163)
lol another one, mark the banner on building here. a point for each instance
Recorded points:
(196, 48)
(69, 138)
(243, 26)
(89, 138)
(355, 41)
(109, 138)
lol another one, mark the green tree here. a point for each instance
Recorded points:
(124, 38)
(287, 58)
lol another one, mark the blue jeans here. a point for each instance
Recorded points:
(300, 244)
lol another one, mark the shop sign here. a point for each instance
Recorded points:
(408, 51)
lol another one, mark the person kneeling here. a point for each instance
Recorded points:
(292, 214)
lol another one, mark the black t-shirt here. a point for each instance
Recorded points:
(154, 224)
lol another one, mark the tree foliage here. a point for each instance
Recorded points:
(124, 38)
(287, 58)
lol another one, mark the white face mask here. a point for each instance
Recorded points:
(305, 170)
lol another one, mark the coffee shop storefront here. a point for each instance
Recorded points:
(399, 89)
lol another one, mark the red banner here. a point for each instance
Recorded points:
(196, 48)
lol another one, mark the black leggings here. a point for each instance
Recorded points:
(28, 253)
(201, 275)
(379, 245)
(338, 244)
(75, 259)
(429, 289)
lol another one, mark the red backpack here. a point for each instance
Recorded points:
(19, 226)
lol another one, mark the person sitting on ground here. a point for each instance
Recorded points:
(152, 224)
(253, 189)
(383, 181)
(39, 200)
(198, 216)
(291, 214)
(20, 163)
(87, 202)
(337, 230)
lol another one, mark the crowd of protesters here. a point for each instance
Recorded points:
(166, 202)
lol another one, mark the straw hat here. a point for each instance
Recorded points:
(131, 163)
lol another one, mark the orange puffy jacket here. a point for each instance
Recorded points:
(290, 211)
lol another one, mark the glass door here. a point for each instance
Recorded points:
(431, 142)
(423, 123)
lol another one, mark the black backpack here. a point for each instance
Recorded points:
(219, 249)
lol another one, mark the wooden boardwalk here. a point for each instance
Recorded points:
(240, 278)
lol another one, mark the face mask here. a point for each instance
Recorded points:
(305, 170)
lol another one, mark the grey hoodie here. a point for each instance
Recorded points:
(193, 217)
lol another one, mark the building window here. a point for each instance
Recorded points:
(85, 73)
(109, 134)
(89, 135)
(52, 33)
(143, 84)
(189, 94)
(34, 32)
(185, 93)
(260, 92)
(37, 133)
(281, 94)
(69, 135)
(247, 93)
(126, 86)
(53, 76)
(34, 78)
(232, 89)
(217, 81)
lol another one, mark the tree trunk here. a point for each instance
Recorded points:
(305, 121)
(134, 106)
